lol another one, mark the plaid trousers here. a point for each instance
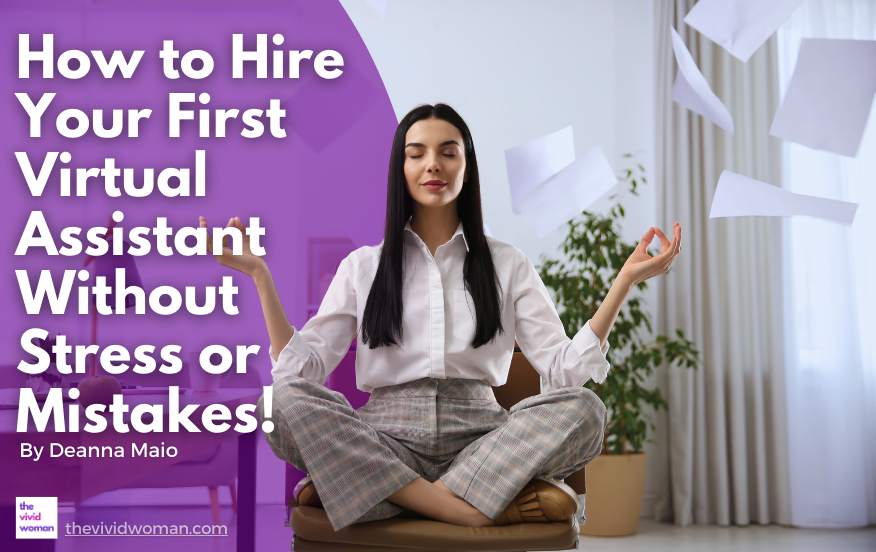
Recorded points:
(430, 428)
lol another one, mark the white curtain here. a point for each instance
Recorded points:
(721, 452)
(830, 304)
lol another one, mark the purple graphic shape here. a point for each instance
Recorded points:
(326, 180)
(310, 106)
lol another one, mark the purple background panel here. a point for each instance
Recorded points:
(325, 181)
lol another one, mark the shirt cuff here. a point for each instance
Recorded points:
(292, 358)
(586, 344)
(587, 338)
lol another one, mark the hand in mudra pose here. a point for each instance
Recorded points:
(638, 268)
(642, 266)
(254, 266)
(247, 262)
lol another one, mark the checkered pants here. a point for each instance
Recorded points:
(430, 428)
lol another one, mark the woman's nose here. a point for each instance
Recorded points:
(433, 165)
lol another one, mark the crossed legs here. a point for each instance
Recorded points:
(436, 501)
(552, 434)
(314, 423)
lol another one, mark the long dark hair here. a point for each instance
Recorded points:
(382, 319)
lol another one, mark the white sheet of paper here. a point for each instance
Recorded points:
(532, 163)
(564, 195)
(740, 26)
(830, 94)
(379, 6)
(693, 92)
(740, 196)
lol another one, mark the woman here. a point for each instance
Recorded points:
(436, 308)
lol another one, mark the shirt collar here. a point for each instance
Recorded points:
(458, 231)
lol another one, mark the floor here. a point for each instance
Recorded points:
(273, 535)
(659, 537)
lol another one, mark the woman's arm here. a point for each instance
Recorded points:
(638, 268)
(279, 328)
(565, 362)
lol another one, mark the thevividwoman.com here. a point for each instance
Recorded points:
(125, 529)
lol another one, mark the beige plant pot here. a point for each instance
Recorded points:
(615, 488)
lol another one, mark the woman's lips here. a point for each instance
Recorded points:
(434, 185)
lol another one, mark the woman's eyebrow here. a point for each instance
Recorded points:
(419, 145)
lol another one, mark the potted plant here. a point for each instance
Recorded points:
(594, 256)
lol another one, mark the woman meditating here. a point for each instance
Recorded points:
(436, 308)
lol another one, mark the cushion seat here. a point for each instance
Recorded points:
(410, 532)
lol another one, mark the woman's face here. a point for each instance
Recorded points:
(434, 162)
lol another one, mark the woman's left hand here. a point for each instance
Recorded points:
(641, 266)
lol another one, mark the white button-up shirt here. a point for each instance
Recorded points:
(439, 324)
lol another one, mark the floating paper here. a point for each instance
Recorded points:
(740, 196)
(564, 195)
(830, 94)
(740, 26)
(532, 163)
(693, 92)
(379, 6)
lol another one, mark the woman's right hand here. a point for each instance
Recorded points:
(247, 262)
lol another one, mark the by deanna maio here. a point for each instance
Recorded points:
(58, 450)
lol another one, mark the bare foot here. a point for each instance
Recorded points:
(438, 502)
(479, 519)
(440, 484)
(483, 521)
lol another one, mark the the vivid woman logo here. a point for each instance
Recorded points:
(36, 517)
